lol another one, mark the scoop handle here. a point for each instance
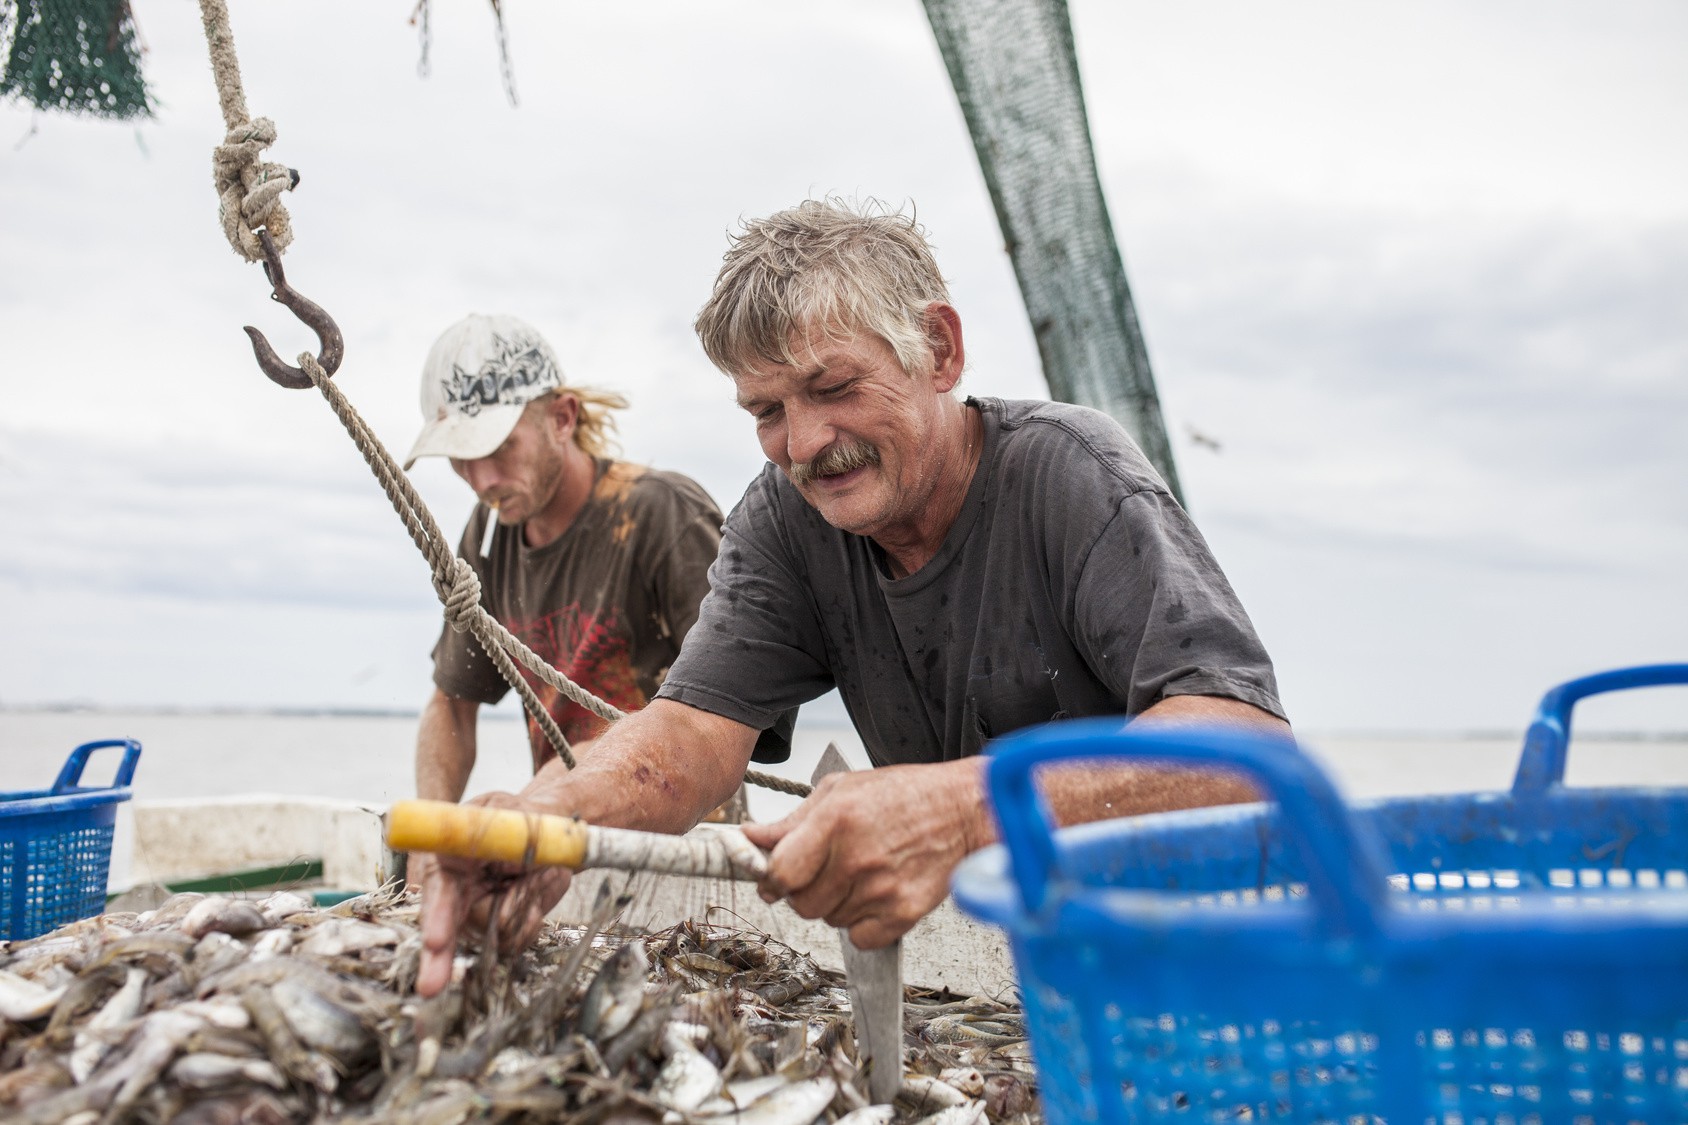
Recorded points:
(472, 832)
(542, 840)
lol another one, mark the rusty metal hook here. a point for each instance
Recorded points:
(332, 345)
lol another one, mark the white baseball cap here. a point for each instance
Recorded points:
(479, 377)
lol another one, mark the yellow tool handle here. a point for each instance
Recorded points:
(474, 832)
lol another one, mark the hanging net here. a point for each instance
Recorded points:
(73, 56)
(1016, 76)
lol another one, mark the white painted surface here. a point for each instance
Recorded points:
(197, 837)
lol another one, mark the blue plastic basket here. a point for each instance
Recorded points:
(1500, 958)
(55, 845)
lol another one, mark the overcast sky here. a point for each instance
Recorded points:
(1420, 269)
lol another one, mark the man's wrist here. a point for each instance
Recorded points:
(978, 828)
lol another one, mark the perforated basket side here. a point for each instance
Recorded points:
(53, 867)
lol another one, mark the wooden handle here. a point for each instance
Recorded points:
(474, 832)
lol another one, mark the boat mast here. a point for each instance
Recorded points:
(1016, 75)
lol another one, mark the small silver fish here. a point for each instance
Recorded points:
(223, 915)
(283, 905)
(22, 999)
(962, 1029)
(171, 910)
(204, 1071)
(224, 1012)
(792, 1103)
(216, 952)
(339, 937)
(923, 1092)
(687, 1079)
(742, 1093)
(868, 1115)
(284, 1046)
(93, 1039)
(616, 994)
(967, 1113)
(271, 943)
(319, 1022)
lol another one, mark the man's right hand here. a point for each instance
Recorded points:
(475, 897)
(658, 770)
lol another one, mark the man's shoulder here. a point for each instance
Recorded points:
(640, 488)
(1074, 439)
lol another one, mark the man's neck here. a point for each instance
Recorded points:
(580, 473)
(915, 546)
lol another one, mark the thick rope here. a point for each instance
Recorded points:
(248, 188)
(777, 784)
(459, 589)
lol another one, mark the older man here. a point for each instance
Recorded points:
(957, 569)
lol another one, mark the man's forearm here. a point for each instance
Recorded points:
(445, 747)
(660, 769)
(1086, 791)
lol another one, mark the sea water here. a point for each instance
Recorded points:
(370, 757)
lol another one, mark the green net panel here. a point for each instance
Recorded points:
(73, 56)
(1016, 76)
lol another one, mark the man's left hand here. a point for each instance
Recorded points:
(872, 852)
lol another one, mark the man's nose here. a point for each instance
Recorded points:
(808, 433)
(480, 474)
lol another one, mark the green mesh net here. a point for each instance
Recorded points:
(1015, 73)
(73, 56)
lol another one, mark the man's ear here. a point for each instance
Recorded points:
(564, 415)
(943, 334)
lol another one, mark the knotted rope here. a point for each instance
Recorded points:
(248, 188)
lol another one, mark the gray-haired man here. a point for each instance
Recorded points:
(957, 569)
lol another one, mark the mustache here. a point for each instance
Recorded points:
(841, 457)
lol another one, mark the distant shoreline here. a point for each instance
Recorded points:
(229, 712)
(503, 714)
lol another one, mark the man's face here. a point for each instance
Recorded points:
(851, 428)
(520, 477)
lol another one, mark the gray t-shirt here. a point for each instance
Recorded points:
(1071, 584)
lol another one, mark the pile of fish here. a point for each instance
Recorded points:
(221, 1010)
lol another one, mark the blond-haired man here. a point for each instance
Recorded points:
(956, 568)
(598, 564)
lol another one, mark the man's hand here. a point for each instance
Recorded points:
(417, 865)
(658, 770)
(872, 852)
(473, 897)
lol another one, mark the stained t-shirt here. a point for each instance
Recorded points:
(1070, 584)
(607, 602)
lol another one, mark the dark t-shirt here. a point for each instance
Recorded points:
(607, 603)
(1071, 584)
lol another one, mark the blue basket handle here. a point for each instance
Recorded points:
(1542, 763)
(1346, 874)
(70, 778)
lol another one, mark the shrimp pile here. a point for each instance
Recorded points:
(212, 1010)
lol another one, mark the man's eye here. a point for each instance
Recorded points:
(833, 391)
(766, 413)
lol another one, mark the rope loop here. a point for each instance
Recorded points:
(249, 188)
(463, 597)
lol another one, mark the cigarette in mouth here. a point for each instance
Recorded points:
(491, 526)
